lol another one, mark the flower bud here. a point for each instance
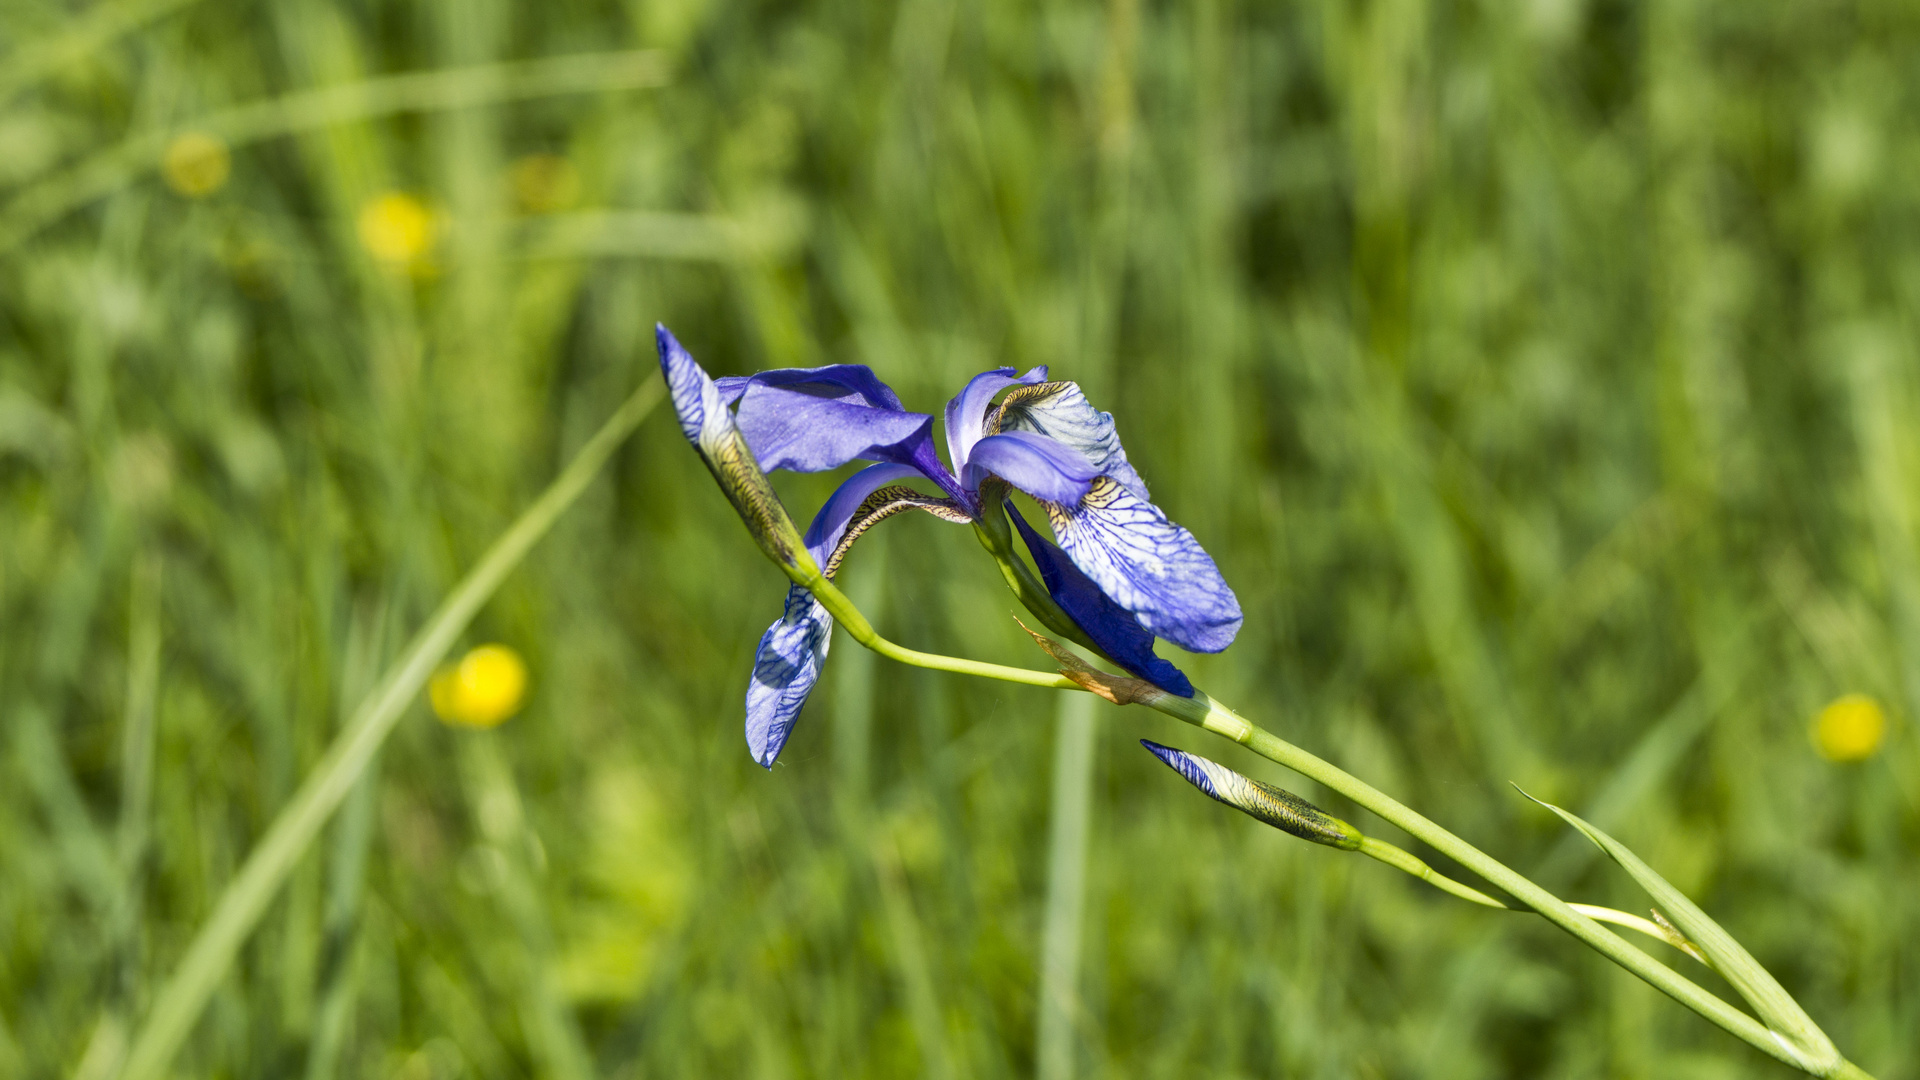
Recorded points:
(1281, 809)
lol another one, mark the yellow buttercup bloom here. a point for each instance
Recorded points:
(1850, 729)
(396, 228)
(196, 164)
(483, 689)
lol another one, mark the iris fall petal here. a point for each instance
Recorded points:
(1110, 626)
(831, 522)
(1148, 565)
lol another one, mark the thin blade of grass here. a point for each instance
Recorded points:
(185, 994)
(35, 61)
(58, 195)
(1066, 887)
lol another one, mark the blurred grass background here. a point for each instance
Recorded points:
(1540, 374)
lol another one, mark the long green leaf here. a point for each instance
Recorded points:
(1776, 1007)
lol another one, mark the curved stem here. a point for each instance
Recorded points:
(862, 631)
(1645, 926)
(1405, 860)
(1204, 712)
(997, 537)
(1401, 859)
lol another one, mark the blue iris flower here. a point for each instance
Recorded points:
(1116, 565)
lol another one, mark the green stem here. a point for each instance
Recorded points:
(1644, 926)
(180, 1001)
(1407, 861)
(1204, 712)
(862, 631)
(997, 537)
(1401, 859)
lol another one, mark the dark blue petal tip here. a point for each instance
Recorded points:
(1183, 763)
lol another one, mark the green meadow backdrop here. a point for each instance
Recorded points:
(1541, 374)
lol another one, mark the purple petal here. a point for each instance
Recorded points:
(1148, 565)
(855, 383)
(1036, 465)
(1061, 412)
(784, 670)
(831, 522)
(792, 429)
(1111, 627)
(698, 403)
(968, 409)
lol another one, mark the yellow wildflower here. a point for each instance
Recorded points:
(396, 228)
(483, 689)
(196, 164)
(1851, 728)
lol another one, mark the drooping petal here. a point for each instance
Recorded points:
(1113, 628)
(793, 650)
(967, 412)
(1277, 807)
(785, 668)
(1059, 411)
(710, 428)
(1037, 465)
(1148, 565)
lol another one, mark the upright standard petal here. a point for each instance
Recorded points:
(1059, 411)
(1036, 465)
(1113, 628)
(1277, 807)
(1148, 565)
(710, 428)
(816, 419)
(848, 382)
(967, 412)
(792, 429)
(784, 670)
